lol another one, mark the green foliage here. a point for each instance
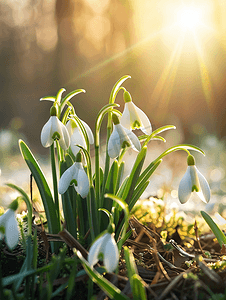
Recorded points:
(108, 191)
(216, 230)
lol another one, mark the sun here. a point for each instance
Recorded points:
(189, 18)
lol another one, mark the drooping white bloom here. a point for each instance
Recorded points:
(77, 176)
(120, 138)
(193, 181)
(77, 137)
(54, 129)
(8, 226)
(107, 246)
(133, 117)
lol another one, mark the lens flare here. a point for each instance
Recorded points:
(188, 18)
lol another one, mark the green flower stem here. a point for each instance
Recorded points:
(98, 123)
(90, 216)
(97, 174)
(54, 176)
(125, 208)
(157, 131)
(112, 97)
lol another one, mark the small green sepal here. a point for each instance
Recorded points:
(115, 119)
(111, 228)
(53, 111)
(191, 160)
(127, 97)
(78, 157)
(13, 205)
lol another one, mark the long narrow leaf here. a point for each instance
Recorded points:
(134, 175)
(138, 289)
(44, 190)
(137, 193)
(216, 230)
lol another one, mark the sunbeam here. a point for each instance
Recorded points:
(162, 92)
(205, 78)
(121, 54)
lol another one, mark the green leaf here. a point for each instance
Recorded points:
(121, 202)
(110, 186)
(44, 190)
(122, 187)
(216, 230)
(138, 289)
(121, 242)
(120, 175)
(130, 263)
(146, 174)
(112, 291)
(137, 193)
(134, 175)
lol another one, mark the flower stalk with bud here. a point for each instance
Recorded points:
(193, 181)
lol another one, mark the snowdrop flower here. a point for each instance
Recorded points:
(105, 245)
(77, 176)
(133, 117)
(8, 226)
(53, 130)
(121, 137)
(193, 181)
(77, 137)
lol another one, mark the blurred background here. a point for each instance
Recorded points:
(174, 51)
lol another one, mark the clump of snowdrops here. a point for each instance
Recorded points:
(96, 203)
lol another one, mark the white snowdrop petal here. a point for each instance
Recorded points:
(89, 132)
(46, 139)
(185, 187)
(114, 144)
(95, 250)
(111, 254)
(69, 127)
(3, 218)
(77, 139)
(125, 118)
(55, 127)
(66, 179)
(65, 139)
(145, 122)
(83, 183)
(11, 230)
(204, 187)
(134, 139)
